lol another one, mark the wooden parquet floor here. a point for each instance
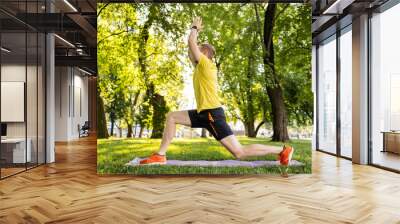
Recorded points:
(70, 191)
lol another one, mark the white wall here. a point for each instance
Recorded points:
(11, 73)
(80, 111)
(71, 94)
(14, 73)
(61, 103)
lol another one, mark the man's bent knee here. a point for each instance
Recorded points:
(170, 117)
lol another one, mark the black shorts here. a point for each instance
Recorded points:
(213, 120)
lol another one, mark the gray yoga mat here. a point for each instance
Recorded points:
(228, 163)
(220, 163)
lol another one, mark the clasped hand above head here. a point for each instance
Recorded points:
(197, 23)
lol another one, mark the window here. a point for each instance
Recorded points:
(346, 92)
(327, 95)
(22, 77)
(385, 88)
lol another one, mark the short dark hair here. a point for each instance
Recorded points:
(210, 48)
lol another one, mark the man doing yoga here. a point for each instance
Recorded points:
(209, 113)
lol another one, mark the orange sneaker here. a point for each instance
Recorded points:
(154, 159)
(286, 155)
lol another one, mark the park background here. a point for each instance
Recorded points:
(263, 57)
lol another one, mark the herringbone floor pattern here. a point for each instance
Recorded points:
(70, 191)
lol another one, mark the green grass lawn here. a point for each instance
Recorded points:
(113, 153)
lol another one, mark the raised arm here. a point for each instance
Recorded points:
(191, 57)
(194, 51)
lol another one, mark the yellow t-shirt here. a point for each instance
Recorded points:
(205, 84)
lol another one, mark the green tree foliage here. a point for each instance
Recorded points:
(249, 87)
(138, 64)
(293, 62)
(142, 55)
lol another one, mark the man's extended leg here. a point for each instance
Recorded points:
(172, 119)
(233, 145)
(285, 153)
(239, 151)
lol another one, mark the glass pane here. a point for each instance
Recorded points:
(22, 87)
(31, 97)
(13, 86)
(346, 93)
(385, 84)
(327, 95)
(41, 99)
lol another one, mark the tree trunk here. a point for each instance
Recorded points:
(258, 127)
(140, 131)
(204, 133)
(250, 132)
(130, 120)
(249, 129)
(159, 112)
(157, 101)
(134, 132)
(101, 118)
(119, 131)
(279, 115)
(160, 109)
(129, 134)
(112, 125)
(273, 87)
(249, 121)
